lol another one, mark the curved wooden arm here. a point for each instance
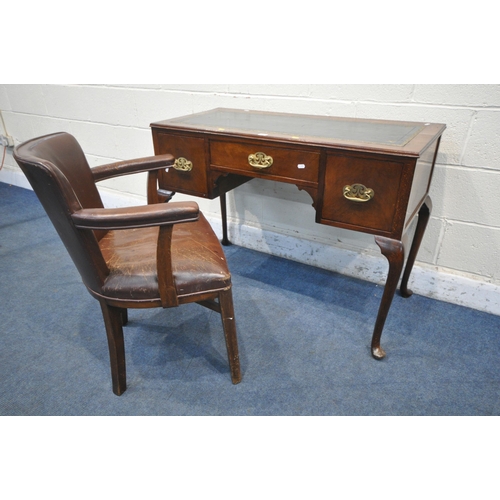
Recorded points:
(127, 167)
(134, 217)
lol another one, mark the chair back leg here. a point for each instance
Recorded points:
(113, 320)
(229, 325)
(124, 312)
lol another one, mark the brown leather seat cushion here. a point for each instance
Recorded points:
(197, 256)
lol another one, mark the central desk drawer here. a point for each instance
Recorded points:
(292, 165)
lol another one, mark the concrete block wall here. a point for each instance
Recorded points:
(460, 257)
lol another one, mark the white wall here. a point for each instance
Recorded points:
(460, 257)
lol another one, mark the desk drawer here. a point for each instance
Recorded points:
(257, 160)
(189, 175)
(361, 192)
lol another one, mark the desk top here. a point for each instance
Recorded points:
(407, 138)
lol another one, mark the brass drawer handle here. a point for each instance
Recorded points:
(183, 165)
(260, 160)
(358, 192)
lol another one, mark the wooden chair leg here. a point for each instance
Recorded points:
(229, 325)
(124, 313)
(113, 319)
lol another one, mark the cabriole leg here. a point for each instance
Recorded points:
(393, 250)
(423, 218)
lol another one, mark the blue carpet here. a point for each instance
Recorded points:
(304, 336)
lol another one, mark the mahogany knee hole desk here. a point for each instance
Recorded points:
(364, 175)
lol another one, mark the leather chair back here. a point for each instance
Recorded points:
(59, 173)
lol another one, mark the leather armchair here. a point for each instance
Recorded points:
(156, 255)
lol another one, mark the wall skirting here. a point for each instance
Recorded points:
(426, 280)
(14, 177)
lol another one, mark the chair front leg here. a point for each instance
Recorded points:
(229, 325)
(113, 320)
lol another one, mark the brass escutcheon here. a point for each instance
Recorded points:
(358, 192)
(260, 160)
(183, 165)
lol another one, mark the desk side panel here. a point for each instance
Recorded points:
(422, 178)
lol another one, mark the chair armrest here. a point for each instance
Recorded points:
(135, 217)
(132, 166)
